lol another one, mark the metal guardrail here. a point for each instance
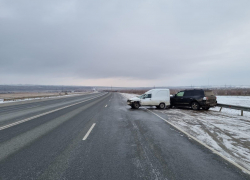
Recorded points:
(241, 108)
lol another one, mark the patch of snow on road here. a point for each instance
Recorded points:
(227, 132)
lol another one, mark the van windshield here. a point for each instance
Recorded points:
(141, 96)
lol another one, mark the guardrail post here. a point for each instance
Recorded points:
(241, 112)
(220, 109)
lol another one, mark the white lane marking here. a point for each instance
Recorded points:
(203, 144)
(33, 117)
(106, 105)
(89, 131)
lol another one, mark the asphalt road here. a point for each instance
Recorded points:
(97, 136)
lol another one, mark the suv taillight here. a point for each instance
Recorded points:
(205, 98)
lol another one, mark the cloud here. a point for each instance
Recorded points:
(133, 42)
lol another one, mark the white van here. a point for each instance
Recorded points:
(155, 97)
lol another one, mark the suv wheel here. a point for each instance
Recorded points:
(206, 108)
(136, 105)
(162, 106)
(195, 106)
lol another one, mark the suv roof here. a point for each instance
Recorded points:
(197, 89)
(193, 89)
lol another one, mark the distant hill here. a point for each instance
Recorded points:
(41, 88)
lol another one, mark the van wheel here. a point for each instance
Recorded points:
(162, 106)
(136, 105)
(195, 106)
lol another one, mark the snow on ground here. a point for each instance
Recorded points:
(45, 97)
(26, 99)
(227, 132)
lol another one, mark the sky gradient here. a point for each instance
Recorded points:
(125, 43)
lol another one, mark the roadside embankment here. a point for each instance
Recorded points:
(13, 97)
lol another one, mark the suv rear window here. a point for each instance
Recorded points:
(197, 93)
(209, 93)
(188, 93)
(194, 93)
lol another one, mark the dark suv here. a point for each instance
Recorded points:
(195, 98)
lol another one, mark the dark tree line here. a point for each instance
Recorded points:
(217, 91)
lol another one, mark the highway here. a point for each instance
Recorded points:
(97, 136)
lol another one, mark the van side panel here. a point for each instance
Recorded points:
(161, 96)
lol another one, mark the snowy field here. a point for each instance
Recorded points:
(233, 100)
(126, 95)
(227, 132)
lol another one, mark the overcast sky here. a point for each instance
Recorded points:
(125, 43)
